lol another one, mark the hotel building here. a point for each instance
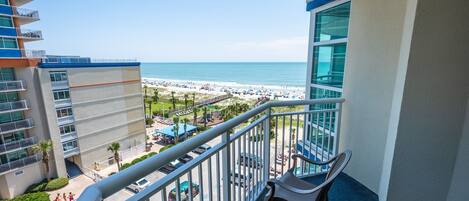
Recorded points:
(80, 105)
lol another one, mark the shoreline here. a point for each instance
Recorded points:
(245, 91)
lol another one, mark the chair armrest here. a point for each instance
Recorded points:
(290, 188)
(295, 156)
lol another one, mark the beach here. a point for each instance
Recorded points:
(243, 91)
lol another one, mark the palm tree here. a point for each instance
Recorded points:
(186, 100)
(173, 100)
(293, 139)
(176, 129)
(156, 97)
(114, 148)
(44, 147)
(193, 99)
(150, 102)
(195, 111)
(205, 116)
(185, 121)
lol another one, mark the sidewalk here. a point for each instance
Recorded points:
(76, 185)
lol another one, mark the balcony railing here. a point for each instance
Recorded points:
(19, 163)
(34, 54)
(30, 35)
(246, 152)
(13, 106)
(65, 120)
(16, 126)
(11, 86)
(71, 152)
(25, 15)
(24, 143)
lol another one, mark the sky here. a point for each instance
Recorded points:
(174, 30)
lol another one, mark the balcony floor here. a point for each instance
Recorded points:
(345, 188)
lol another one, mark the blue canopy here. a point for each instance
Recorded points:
(168, 131)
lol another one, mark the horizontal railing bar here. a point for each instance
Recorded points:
(114, 183)
(173, 176)
(304, 112)
(243, 130)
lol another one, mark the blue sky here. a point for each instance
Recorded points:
(174, 31)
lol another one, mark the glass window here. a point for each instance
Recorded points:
(328, 65)
(9, 43)
(7, 74)
(4, 2)
(332, 23)
(64, 112)
(12, 116)
(67, 129)
(5, 21)
(8, 97)
(58, 76)
(61, 94)
(69, 145)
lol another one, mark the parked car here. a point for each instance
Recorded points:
(250, 160)
(240, 179)
(184, 189)
(185, 159)
(139, 185)
(176, 164)
(170, 167)
(201, 149)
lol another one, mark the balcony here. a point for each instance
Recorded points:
(29, 35)
(68, 137)
(71, 151)
(63, 102)
(257, 145)
(65, 120)
(33, 54)
(22, 2)
(25, 16)
(13, 106)
(12, 86)
(24, 143)
(16, 126)
(19, 163)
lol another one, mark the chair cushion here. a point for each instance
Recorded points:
(294, 181)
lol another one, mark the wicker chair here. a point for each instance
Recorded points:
(289, 187)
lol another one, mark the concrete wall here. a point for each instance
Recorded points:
(374, 46)
(433, 103)
(458, 189)
(16, 182)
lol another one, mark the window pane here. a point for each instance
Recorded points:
(5, 21)
(4, 2)
(332, 23)
(328, 65)
(10, 43)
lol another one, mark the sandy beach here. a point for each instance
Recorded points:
(243, 91)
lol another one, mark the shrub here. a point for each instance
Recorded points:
(149, 121)
(56, 184)
(40, 196)
(53, 184)
(141, 158)
(166, 147)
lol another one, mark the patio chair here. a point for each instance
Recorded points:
(290, 187)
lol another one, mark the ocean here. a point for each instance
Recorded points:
(291, 74)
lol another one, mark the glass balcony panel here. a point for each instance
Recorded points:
(332, 23)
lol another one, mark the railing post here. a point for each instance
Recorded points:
(337, 123)
(226, 167)
(267, 146)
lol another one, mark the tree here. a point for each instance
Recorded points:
(150, 102)
(186, 100)
(205, 109)
(195, 111)
(193, 99)
(176, 129)
(44, 147)
(156, 97)
(173, 100)
(114, 148)
(185, 121)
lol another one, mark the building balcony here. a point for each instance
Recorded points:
(65, 120)
(64, 102)
(22, 2)
(16, 126)
(71, 151)
(24, 143)
(245, 153)
(12, 86)
(13, 106)
(68, 137)
(4, 168)
(25, 16)
(29, 35)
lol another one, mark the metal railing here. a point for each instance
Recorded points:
(30, 34)
(14, 85)
(246, 152)
(13, 106)
(18, 144)
(77, 59)
(19, 163)
(16, 126)
(33, 53)
(28, 13)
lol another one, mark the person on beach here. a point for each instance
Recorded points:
(57, 198)
(64, 196)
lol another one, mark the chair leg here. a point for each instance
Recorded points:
(271, 191)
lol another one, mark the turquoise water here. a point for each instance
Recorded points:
(281, 74)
